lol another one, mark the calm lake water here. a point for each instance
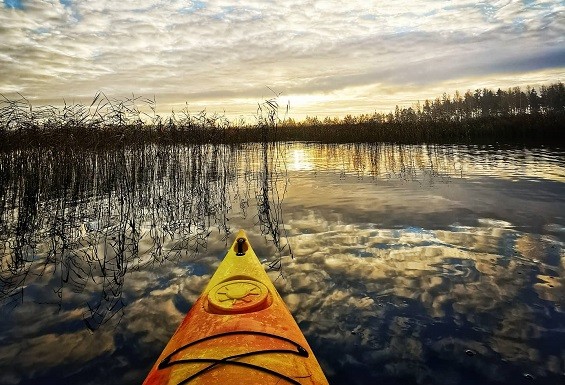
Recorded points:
(401, 264)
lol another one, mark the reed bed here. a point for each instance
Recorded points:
(109, 123)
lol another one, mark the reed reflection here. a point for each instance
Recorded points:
(89, 218)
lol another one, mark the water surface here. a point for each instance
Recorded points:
(401, 264)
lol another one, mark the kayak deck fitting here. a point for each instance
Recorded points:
(240, 331)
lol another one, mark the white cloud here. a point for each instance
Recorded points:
(201, 51)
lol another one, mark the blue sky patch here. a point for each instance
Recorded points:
(195, 6)
(14, 4)
(488, 11)
(74, 11)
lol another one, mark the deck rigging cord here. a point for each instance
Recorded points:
(214, 362)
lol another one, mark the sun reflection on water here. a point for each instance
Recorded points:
(300, 159)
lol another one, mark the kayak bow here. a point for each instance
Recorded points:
(239, 331)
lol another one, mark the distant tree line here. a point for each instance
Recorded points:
(480, 116)
(470, 105)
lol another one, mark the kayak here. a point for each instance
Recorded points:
(239, 331)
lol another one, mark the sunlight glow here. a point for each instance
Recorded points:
(300, 160)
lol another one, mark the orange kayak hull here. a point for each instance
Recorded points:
(240, 331)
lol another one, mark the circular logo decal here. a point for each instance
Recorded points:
(238, 296)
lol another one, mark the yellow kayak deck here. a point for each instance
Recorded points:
(239, 331)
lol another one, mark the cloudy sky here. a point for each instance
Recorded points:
(327, 58)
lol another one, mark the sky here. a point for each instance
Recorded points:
(324, 58)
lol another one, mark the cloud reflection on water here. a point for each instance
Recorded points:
(365, 297)
(405, 257)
